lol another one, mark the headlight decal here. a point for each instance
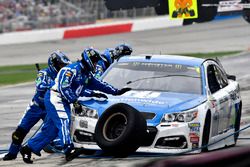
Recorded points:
(88, 112)
(186, 116)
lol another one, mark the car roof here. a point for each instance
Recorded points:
(175, 59)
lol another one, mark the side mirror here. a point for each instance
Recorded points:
(232, 77)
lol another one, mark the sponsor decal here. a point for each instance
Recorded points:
(227, 6)
(83, 124)
(194, 124)
(38, 81)
(185, 9)
(65, 83)
(194, 137)
(194, 145)
(194, 130)
(174, 125)
(150, 101)
(68, 74)
(39, 74)
(144, 94)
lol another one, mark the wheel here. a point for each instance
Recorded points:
(162, 7)
(120, 130)
(175, 14)
(206, 132)
(237, 122)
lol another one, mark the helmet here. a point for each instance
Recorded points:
(122, 50)
(90, 57)
(57, 60)
(109, 55)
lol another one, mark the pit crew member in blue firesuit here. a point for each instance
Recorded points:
(103, 64)
(36, 109)
(110, 55)
(71, 82)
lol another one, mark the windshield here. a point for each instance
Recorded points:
(155, 77)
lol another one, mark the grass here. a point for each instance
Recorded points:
(18, 74)
(27, 73)
(212, 54)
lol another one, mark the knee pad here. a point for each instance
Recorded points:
(18, 136)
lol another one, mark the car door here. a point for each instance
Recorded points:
(219, 97)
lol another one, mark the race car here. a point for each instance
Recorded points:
(176, 104)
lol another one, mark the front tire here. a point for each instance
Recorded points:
(206, 132)
(237, 123)
(120, 130)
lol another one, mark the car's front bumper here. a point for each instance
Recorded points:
(164, 138)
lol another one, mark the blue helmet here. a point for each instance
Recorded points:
(109, 55)
(90, 57)
(122, 50)
(57, 60)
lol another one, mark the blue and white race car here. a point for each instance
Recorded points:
(175, 104)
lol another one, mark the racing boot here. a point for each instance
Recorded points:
(26, 154)
(9, 157)
(72, 153)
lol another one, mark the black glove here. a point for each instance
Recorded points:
(77, 107)
(99, 95)
(123, 90)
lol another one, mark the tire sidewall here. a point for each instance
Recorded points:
(130, 138)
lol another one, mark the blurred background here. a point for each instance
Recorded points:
(19, 15)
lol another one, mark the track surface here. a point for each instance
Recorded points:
(208, 37)
(215, 36)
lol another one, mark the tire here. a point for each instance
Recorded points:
(206, 132)
(162, 7)
(120, 130)
(237, 123)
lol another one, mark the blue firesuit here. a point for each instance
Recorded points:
(71, 82)
(100, 69)
(35, 110)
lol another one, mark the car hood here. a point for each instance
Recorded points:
(149, 102)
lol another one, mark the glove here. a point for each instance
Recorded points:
(77, 107)
(99, 95)
(123, 90)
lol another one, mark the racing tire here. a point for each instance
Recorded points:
(175, 14)
(237, 123)
(206, 132)
(162, 7)
(120, 130)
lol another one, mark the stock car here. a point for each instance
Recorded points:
(176, 104)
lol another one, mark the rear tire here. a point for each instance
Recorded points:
(206, 132)
(120, 130)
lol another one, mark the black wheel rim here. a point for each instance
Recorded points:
(114, 127)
